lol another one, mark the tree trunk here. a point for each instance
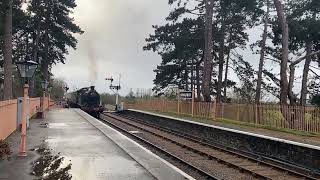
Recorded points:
(192, 75)
(7, 94)
(226, 76)
(186, 76)
(291, 96)
(262, 54)
(304, 89)
(198, 81)
(221, 56)
(285, 51)
(46, 61)
(36, 40)
(208, 50)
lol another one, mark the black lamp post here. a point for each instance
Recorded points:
(44, 85)
(26, 70)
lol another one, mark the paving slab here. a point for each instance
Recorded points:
(70, 144)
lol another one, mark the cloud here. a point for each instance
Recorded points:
(116, 29)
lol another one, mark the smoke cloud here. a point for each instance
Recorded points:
(93, 72)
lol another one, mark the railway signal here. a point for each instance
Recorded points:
(66, 88)
(115, 87)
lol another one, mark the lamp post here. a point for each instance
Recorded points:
(44, 85)
(49, 91)
(26, 70)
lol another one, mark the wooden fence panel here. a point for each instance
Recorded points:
(298, 118)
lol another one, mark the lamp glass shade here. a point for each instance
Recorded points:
(27, 68)
(44, 84)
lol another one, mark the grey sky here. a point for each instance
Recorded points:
(115, 30)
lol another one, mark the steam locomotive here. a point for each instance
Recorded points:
(87, 99)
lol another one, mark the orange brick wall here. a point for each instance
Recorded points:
(8, 114)
(8, 117)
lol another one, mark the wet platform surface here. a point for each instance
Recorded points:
(69, 144)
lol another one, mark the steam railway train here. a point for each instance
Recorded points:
(87, 99)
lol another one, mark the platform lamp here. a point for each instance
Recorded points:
(26, 70)
(44, 85)
(49, 100)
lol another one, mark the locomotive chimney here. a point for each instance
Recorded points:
(92, 88)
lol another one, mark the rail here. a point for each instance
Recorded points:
(229, 158)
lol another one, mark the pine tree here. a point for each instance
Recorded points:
(7, 50)
(54, 31)
(180, 46)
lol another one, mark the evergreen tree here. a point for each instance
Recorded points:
(7, 49)
(42, 33)
(180, 46)
(304, 34)
(53, 33)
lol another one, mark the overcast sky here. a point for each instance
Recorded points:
(115, 32)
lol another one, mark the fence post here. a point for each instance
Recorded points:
(192, 103)
(178, 102)
(214, 110)
(162, 105)
(256, 113)
(238, 112)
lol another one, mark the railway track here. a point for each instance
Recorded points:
(208, 161)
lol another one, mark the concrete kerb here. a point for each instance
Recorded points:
(303, 155)
(151, 162)
(233, 130)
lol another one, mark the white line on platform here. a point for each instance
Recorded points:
(234, 130)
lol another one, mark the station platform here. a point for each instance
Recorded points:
(70, 144)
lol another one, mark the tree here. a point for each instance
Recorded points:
(57, 91)
(315, 100)
(304, 34)
(181, 48)
(262, 53)
(282, 20)
(193, 62)
(7, 51)
(233, 18)
(245, 73)
(208, 50)
(49, 31)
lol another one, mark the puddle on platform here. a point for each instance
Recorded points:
(67, 125)
(58, 125)
(84, 168)
(50, 167)
(44, 124)
(53, 167)
(54, 140)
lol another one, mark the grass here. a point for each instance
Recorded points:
(224, 121)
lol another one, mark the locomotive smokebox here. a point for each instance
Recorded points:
(92, 88)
